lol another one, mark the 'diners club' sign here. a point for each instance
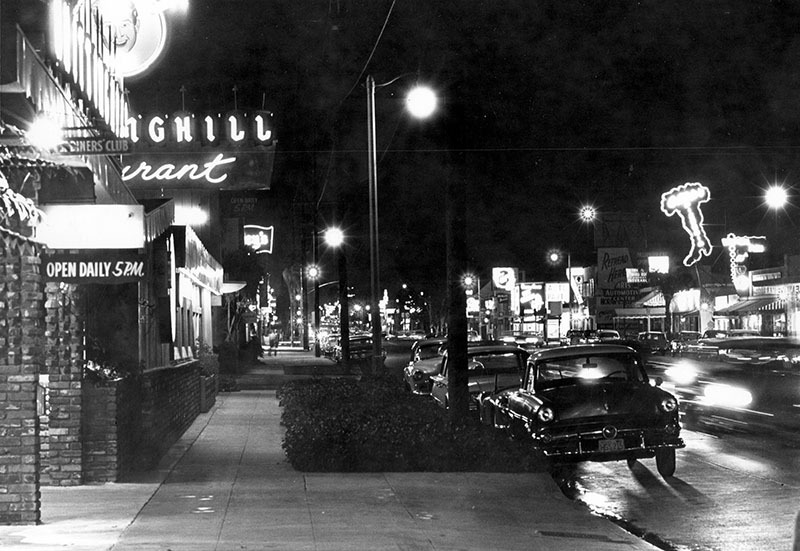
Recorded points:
(123, 266)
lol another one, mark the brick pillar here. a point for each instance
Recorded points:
(20, 357)
(62, 446)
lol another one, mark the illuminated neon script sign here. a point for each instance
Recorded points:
(739, 249)
(206, 150)
(685, 201)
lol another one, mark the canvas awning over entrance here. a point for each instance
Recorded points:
(641, 313)
(748, 305)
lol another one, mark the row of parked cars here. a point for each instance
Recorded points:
(583, 402)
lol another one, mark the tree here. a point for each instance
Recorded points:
(669, 284)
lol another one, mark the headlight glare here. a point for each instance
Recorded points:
(546, 414)
(727, 395)
(682, 374)
(669, 404)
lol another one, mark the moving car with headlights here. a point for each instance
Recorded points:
(490, 367)
(590, 402)
(747, 388)
(425, 361)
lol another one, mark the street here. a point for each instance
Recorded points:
(731, 491)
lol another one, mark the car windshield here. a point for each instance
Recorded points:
(578, 369)
(428, 351)
(496, 363)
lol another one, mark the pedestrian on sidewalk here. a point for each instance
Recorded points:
(273, 343)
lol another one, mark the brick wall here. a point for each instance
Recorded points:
(20, 359)
(170, 404)
(112, 429)
(61, 432)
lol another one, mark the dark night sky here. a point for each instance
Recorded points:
(545, 106)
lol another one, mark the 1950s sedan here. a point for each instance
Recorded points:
(490, 367)
(590, 403)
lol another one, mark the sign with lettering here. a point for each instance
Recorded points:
(113, 267)
(613, 289)
(258, 238)
(95, 146)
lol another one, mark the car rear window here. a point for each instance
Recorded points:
(577, 369)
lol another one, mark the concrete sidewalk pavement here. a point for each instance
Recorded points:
(226, 485)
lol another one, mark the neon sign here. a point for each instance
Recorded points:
(685, 201)
(168, 172)
(739, 249)
(189, 130)
(258, 238)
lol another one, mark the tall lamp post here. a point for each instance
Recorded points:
(421, 103)
(556, 257)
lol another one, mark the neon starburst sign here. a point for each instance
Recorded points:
(685, 201)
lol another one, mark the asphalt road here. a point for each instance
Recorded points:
(732, 491)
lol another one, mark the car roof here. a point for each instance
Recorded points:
(580, 349)
(487, 348)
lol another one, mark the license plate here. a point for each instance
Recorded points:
(613, 445)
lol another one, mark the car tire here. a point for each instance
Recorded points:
(665, 461)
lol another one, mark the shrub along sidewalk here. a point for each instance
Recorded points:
(374, 426)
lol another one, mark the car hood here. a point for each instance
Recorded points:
(604, 398)
(430, 366)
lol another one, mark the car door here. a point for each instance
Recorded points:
(439, 385)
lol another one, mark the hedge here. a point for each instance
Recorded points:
(342, 425)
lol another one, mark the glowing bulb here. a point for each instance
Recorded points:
(776, 197)
(421, 102)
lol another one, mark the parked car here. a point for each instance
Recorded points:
(653, 342)
(425, 361)
(360, 348)
(680, 342)
(590, 402)
(490, 367)
(606, 334)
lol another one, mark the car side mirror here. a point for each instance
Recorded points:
(659, 381)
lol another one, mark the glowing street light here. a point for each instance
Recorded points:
(334, 237)
(776, 197)
(587, 213)
(421, 102)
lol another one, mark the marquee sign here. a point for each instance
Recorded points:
(112, 267)
(685, 201)
(232, 151)
(184, 130)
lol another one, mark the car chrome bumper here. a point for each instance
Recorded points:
(587, 444)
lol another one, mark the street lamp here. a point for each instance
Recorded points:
(334, 238)
(421, 102)
(313, 273)
(587, 213)
(469, 281)
(776, 197)
(556, 257)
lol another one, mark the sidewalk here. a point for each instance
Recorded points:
(226, 485)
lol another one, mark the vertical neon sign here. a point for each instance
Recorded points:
(685, 201)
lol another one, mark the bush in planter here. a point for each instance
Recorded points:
(208, 361)
(344, 425)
